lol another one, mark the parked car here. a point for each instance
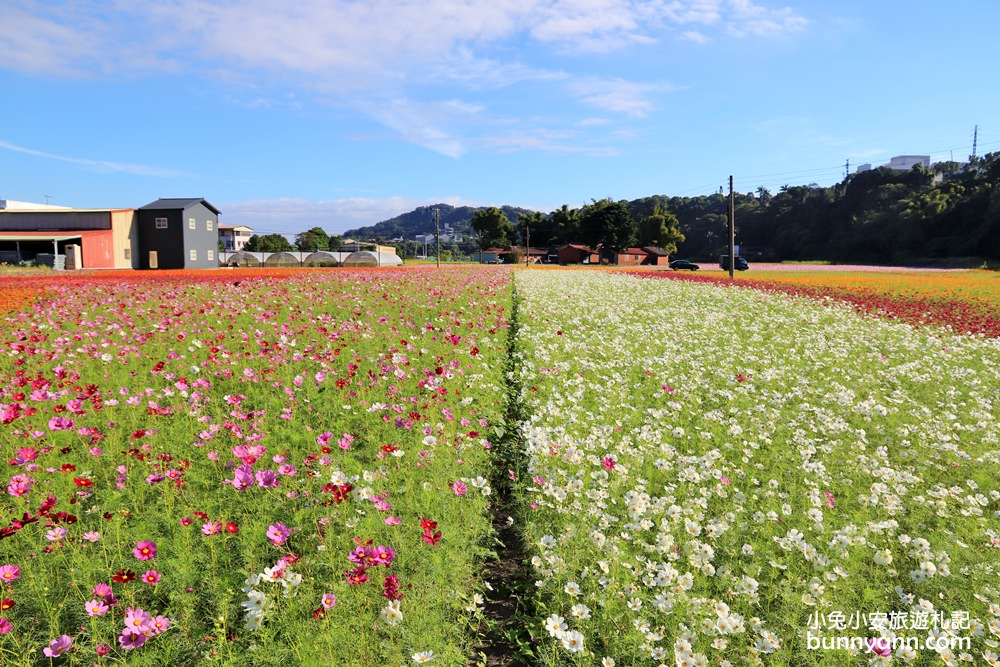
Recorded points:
(683, 265)
(740, 263)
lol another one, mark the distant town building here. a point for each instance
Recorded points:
(900, 163)
(907, 162)
(234, 237)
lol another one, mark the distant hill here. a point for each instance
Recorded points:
(421, 221)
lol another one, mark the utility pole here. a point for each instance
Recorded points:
(527, 242)
(437, 228)
(732, 230)
(847, 168)
(975, 136)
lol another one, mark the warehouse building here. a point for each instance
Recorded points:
(165, 234)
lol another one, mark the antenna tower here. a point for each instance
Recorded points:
(975, 135)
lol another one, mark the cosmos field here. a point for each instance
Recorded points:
(299, 467)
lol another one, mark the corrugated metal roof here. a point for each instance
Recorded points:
(38, 236)
(178, 203)
(652, 250)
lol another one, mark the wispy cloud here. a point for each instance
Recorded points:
(749, 18)
(98, 165)
(361, 54)
(629, 98)
(695, 36)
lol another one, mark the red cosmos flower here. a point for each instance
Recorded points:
(432, 538)
(427, 524)
(319, 614)
(68, 467)
(6, 604)
(124, 576)
(231, 527)
(82, 482)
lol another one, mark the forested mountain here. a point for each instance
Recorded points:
(879, 216)
(421, 221)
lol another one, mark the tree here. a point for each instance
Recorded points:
(608, 224)
(661, 229)
(336, 243)
(565, 225)
(533, 228)
(312, 240)
(268, 243)
(493, 227)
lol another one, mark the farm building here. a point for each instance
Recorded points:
(166, 234)
(178, 234)
(97, 238)
(572, 253)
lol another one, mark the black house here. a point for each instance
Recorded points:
(178, 234)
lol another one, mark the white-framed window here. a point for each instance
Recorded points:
(208, 226)
(193, 255)
(211, 255)
(192, 223)
(161, 223)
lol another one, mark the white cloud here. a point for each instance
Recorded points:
(752, 19)
(387, 59)
(624, 97)
(97, 165)
(694, 36)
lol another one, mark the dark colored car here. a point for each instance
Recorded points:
(740, 263)
(683, 265)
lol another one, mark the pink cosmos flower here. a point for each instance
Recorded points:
(267, 479)
(151, 577)
(393, 521)
(9, 573)
(880, 647)
(60, 424)
(383, 555)
(278, 533)
(55, 534)
(96, 607)
(102, 590)
(5, 626)
(609, 463)
(459, 488)
(137, 619)
(328, 600)
(130, 639)
(58, 646)
(830, 500)
(212, 527)
(242, 478)
(145, 550)
(159, 624)
(103, 649)
(92, 536)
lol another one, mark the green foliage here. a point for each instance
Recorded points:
(661, 229)
(608, 224)
(268, 243)
(493, 227)
(312, 240)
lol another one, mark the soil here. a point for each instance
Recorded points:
(507, 576)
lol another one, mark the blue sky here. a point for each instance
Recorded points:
(341, 113)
